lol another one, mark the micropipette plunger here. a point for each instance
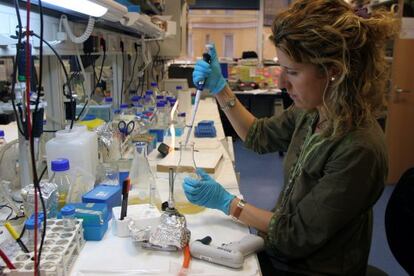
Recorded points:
(206, 58)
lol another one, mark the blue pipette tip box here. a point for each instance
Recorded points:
(205, 128)
(110, 195)
(95, 218)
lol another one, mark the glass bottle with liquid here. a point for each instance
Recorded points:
(143, 186)
(60, 168)
(2, 140)
(186, 167)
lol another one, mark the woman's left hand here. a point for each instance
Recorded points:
(207, 192)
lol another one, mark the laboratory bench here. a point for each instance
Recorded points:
(115, 255)
(120, 256)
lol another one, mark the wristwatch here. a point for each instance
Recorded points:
(239, 208)
(229, 104)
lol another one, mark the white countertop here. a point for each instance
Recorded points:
(119, 256)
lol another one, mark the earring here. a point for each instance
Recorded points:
(332, 78)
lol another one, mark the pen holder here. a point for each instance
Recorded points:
(120, 227)
(144, 215)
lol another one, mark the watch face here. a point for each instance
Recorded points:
(232, 102)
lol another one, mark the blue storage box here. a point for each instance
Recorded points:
(111, 195)
(95, 219)
(100, 111)
(205, 128)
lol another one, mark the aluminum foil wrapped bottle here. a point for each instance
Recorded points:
(49, 194)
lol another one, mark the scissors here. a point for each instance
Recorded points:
(126, 128)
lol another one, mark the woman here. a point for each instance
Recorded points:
(333, 67)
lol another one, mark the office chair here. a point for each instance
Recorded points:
(399, 221)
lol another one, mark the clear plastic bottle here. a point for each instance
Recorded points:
(136, 104)
(124, 109)
(109, 101)
(162, 116)
(30, 234)
(68, 217)
(60, 169)
(178, 90)
(2, 139)
(154, 87)
(144, 189)
(149, 99)
(186, 167)
(180, 125)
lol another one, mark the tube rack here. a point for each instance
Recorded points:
(60, 250)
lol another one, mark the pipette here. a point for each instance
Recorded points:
(206, 58)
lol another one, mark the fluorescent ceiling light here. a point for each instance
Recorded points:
(115, 10)
(85, 6)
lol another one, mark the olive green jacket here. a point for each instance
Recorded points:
(325, 227)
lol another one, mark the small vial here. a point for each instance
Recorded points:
(109, 101)
(30, 233)
(124, 109)
(2, 140)
(68, 217)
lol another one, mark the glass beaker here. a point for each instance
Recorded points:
(143, 186)
(186, 167)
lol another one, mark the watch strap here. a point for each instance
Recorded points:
(230, 103)
(239, 208)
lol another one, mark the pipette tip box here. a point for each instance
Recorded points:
(110, 195)
(95, 219)
(205, 128)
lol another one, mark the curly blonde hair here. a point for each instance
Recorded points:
(330, 34)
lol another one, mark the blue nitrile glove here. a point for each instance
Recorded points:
(207, 192)
(211, 73)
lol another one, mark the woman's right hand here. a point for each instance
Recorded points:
(209, 72)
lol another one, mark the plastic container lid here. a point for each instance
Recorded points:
(153, 84)
(1, 133)
(30, 224)
(108, 99)
(160, 97)
(178, 87)
(181, 114)
(138, 105)
(135, 98)
(149, 92)
(60, 165)
(40, 216)
(89, 117)
(67, 210)
(117, 111)
(122, 106)
(160, 104)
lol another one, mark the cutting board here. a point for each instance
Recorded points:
(207, 160)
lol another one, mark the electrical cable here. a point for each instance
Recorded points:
(14, 75)
(82, 38)
(133, 67)
(28, 111)
(123, 72)
(67, 84)
(29, 127)
(8, 207)
(99, 78)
